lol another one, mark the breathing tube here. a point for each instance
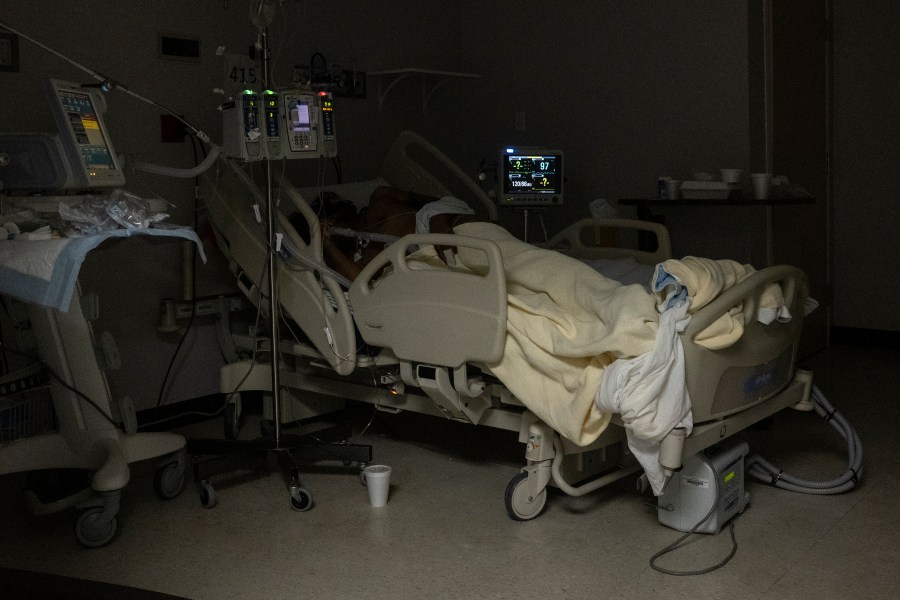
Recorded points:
(365, 235)
(176, 172)
(764, 471)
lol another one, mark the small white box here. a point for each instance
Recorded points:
(709, 190)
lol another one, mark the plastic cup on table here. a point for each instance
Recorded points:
(673, 189)
(762, 184)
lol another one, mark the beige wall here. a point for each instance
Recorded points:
(866, 152)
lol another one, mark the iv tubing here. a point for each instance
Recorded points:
(364, 235)
(286, 243)
(182, 173)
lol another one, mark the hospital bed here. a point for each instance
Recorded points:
(437, 331)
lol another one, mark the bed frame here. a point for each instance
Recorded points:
(410, 312)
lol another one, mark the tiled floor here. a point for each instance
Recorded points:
(445, 533)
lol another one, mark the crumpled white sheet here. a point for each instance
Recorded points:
(448, 205)
(649, 393)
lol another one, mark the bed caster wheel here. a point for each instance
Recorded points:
(92, 530)
(168, 481)
(207, 495)
(521, 505)
(301, 499)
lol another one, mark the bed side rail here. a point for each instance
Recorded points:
(749, 293)
(324, 317)
(587, 239)
(758, 365)
(414, 164)
(433, 315)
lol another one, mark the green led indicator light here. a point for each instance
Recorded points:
(729, 477)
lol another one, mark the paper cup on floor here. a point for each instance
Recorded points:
(378, 482)
(762, 183)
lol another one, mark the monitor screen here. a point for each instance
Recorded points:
(79, 116)
(299, 117)
(530, 177)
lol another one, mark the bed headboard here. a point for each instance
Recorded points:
(414, 164)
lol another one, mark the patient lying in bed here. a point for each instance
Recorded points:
(391, 212)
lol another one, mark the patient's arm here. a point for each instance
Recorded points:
(336, 258)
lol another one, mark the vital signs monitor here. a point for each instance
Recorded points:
(530, 177)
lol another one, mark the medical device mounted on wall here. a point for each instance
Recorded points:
(291, 124)
(79, 156)
(530, 177)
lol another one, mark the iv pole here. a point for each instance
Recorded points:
(272, 268)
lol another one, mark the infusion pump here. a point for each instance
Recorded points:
(287, 124)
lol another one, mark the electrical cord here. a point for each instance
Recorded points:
(70, 387)
(677, 543)
(190, 324)
(762, 470)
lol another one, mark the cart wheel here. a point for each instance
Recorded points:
(519, 504)
(232, 421)
(207, 494)
(301, 498)
(168, 481)
(91, 531)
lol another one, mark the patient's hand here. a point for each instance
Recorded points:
(334, 256)
(325, 226)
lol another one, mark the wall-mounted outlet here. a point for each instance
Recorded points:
(349, 83)
(520, 120)
(301, 75)
(359, 84)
